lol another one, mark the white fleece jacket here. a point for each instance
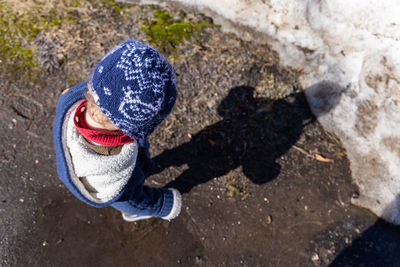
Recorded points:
(98, 176)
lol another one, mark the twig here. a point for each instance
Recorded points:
(315, 156)
(303, 151)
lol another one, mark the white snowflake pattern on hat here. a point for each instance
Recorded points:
(107, 91)
(145, 70)
(133, 108)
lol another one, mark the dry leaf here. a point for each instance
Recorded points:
(322, 159)
(299, 70)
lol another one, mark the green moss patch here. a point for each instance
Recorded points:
(114, 5)
(166, 34)
(17, 32)
(71, 30)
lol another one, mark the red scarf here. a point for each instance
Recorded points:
(104, 138)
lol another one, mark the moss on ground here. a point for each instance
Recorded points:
(166, 33)
(38, 37)
(18, 30)
(114, 5)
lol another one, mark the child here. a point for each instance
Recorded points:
(101, 141)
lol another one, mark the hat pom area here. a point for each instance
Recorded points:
(135, 87)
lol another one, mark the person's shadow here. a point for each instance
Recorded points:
(254, 133)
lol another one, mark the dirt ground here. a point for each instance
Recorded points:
(263, 183)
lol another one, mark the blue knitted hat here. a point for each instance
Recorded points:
(135, 87)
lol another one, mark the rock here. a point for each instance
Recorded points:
(199, 260)
(269, 219)
(26, 107)
(315, 259)
(47, 53)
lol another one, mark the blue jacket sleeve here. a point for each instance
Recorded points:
(144, 157)
(144, 200)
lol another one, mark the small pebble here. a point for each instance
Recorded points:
(36, 161)
(21, 200)
(45, 243)
(269, 219)
(315, 258)
(355, 195)
(198, 259)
